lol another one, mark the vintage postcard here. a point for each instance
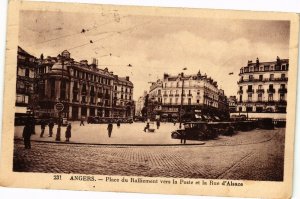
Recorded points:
(149, 99)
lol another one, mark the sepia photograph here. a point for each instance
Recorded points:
(148, 93)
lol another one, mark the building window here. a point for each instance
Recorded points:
(283, 67)
(260, 77)
(198, 101)
(249, 108)
(270, 97)
(250, 97)
(176, 100)
(189, 101)
(266, 67)
(241, 98)
(170, 100)
(282, 76)
(282, 97)
(259, 97)
(22, 99)
(27, 72)
(251, 77)
(271, 76)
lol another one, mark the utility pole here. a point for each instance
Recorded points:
(181, 102)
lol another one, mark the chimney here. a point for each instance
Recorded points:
(127, 78)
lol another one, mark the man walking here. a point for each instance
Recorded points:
(51, 125)
(43, 125)
(157, 124)
(27, 134)
(82, 121)
(109, 129)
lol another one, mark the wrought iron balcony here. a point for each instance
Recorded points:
(240, 92)
(260, 91)
(272, 90)
(282, 90)
(250, 90)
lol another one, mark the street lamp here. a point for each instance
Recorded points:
(60, 110)
(181, 102)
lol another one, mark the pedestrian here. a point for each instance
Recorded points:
(43, 126)
(27, 131)
(118, 123)
(174, 122)
(157, 124)
(68, 132)
(82, 121)
(109, 129)
(183, 137)
(147, 126)
(51, 125)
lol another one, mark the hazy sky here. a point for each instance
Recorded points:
(155, 45)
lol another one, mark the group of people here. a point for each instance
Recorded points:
(29, 129)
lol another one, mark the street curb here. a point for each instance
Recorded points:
(125, 145)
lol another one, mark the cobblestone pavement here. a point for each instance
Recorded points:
(257, 160)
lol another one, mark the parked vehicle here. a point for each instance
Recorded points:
(92, 120)
(196, 131)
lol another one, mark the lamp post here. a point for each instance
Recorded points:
(58, 109)
(181, 101)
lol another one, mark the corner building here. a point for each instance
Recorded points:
(84, 89)
(262, 87)
(198, 94)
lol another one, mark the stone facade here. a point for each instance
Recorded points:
(263, 87)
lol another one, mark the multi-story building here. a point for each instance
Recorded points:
(263, 87)
(84, 89)
(139, 105)
(232, 101)
(123, 104)
(192, 94)
(25, 85)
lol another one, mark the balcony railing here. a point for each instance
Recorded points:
(176, 95)
(282, 90)
(272, 90)
(250, 90)
(260, 91)
(165, 95)
(83, 92)
(284, 79)
(190, 95)
(171, 95)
